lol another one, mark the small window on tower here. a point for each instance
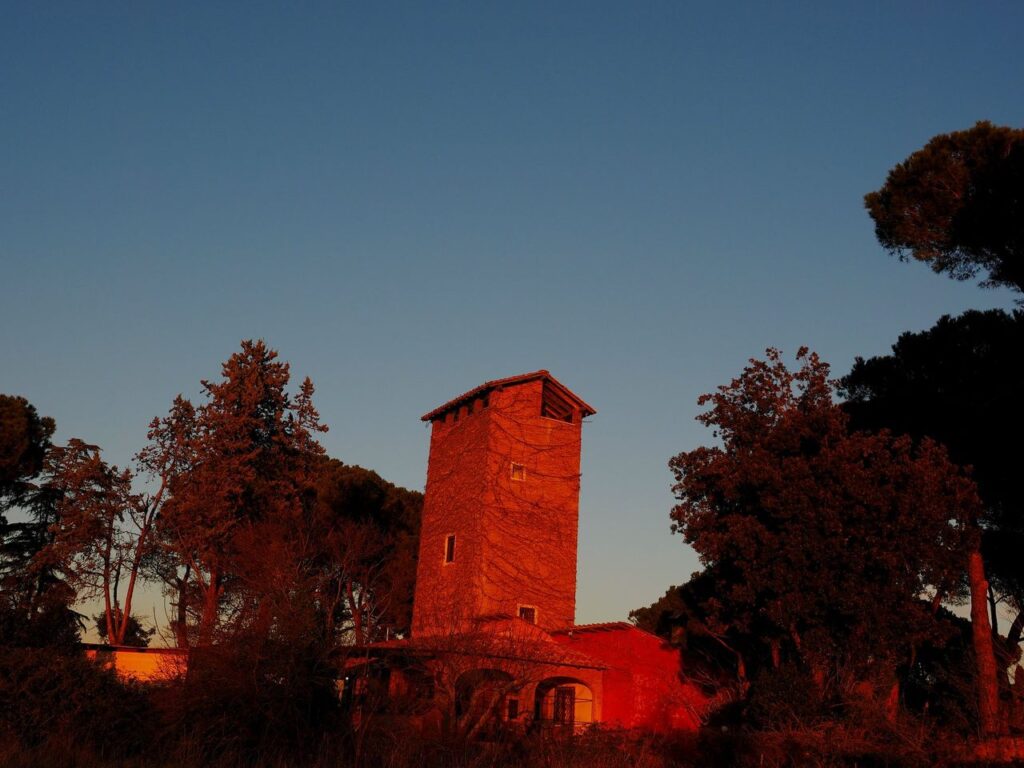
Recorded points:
(518, 472)
(528, 613)
(449, 549)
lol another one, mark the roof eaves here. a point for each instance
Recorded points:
(489, 386)
(607, 626)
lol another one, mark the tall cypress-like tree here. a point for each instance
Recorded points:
(245, 470)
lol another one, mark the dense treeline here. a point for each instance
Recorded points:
(242, 515)
(274, 558)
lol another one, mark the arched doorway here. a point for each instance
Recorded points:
(564, 702)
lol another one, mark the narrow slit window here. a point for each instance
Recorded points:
(518, 472)
(449, 549)
(513, 709)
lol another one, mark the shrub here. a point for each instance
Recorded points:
(53, 698)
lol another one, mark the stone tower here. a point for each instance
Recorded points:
(501, 508)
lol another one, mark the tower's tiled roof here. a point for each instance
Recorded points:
(489, 386)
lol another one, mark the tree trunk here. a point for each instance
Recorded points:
(938, 597)
(181, 625)
(741, 667)
(993, 612)
(108, 609)
(140, 545)
(1013, 636)
(892, 702)
(987, 671)
(211, 601)
(330, 612)
(357, 614)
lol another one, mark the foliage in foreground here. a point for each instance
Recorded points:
(244, 707)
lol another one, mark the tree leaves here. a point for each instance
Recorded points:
(822, 539)
(958, 204)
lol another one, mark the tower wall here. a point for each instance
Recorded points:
(531, 523)
(505, 481)
(447, 594)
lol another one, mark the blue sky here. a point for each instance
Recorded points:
(408, 199)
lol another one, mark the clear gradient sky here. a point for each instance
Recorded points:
(408, 199)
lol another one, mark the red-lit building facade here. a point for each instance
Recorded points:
(493, 634)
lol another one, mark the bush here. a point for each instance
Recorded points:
(249, 704)
(784, 698)
(53, 701)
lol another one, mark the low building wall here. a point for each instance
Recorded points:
(142, 664)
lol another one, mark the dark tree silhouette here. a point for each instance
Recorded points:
(134, 635)
(99, 533)
(959, 383)
(35, 601)
(822, 540)
(717, 652)
(240, 487)
(24, 441)
(368, 532)
(658, 617)
(958, 204)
